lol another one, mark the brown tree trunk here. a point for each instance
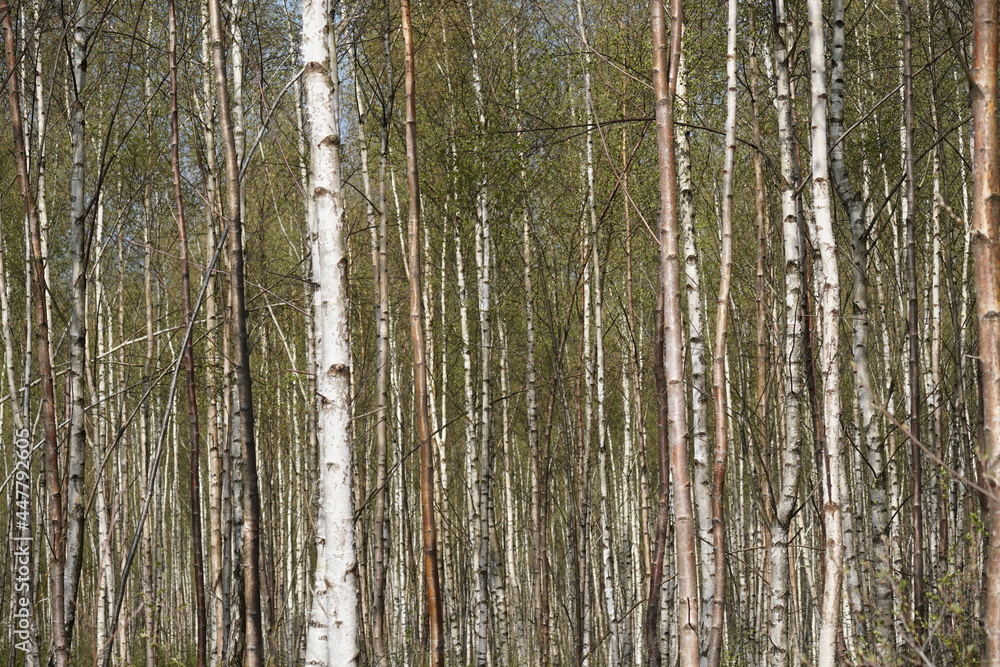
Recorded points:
(59, 639)
(431, 575)
(194, 432)
(244, 394)
(986, 256)
(669, 356)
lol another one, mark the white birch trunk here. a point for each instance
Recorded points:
(697, 333)
(483, 253)
(829, 368)
(511, 583)
(607, 555)
(778, 653)
(75, 498)
(218, 454)
(333, 626)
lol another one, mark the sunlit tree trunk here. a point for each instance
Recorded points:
(792, 385)
(509, 582)
(104, 484)
(431, 575)
(219, 513)
(378, 223)
(765, 309)
(483, 256)
(697, 333)
(936, 391)
(670, 353)
(829, 360)
(607, 555)
(719, 367)
(539, 565)
(333, 626)
(854, 204)
(985, 245)
(632, 379)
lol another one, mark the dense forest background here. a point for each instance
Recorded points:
(557, 528)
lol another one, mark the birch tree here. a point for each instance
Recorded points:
(533, 259)
(829, 310)
(56, 546)
(78, 323)
(986, 235)
(719, 366)
(854, 204)
(243, 390)
(671, 383)
(194, 427)
(334, 623)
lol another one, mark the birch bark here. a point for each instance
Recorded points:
(78, 322)
(56, 536)
(829, 309)
(785, 504)
(334, 624)
(697, 333)
(483, 254)
(218, 453)
(854, 204)
(194, 432)
(719, 365)
(243, 390)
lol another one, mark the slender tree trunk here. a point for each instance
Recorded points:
(854, 204)
(194, 428)
(606, 522)
(150, 593)
(641, 564)
(786, 497)
(829, 308)
(378, 221)
(671, 391)
(985, 246)
(218, 452)
(510, 581)
(539, 571)
(935, 397)
(697, 334)
(764, 304)
(913, 339)
(431, 574)
(99, 395)
(13, 386)
(78, 323)
(719, 370)
(483, 253)
(244, 393)
(56, 536)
